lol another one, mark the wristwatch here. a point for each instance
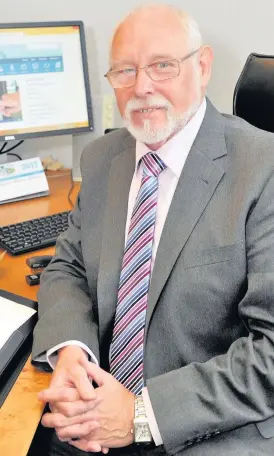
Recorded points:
(142, 432)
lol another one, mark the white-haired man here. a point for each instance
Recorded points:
(157, 313)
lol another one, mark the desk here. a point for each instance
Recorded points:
(21, 412)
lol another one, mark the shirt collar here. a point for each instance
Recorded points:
(182, 140)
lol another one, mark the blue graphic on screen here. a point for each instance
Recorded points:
(21, 59)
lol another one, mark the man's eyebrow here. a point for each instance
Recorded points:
(152, 58)
(155, 57)
(122, 62)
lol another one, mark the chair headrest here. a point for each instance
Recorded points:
(253, 98)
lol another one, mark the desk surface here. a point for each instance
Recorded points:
(21, 412)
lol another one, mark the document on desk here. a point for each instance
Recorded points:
(12, 316)
(22, 180)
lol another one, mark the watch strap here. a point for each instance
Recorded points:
(140, 411)
(141, 422)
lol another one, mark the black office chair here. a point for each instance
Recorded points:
(253, 98)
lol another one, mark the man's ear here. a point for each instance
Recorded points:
(205, 64)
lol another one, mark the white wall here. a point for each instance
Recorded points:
(234, 29)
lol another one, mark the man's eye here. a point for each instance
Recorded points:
(127, 71)
(162, 65)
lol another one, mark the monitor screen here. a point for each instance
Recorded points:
(44, 85)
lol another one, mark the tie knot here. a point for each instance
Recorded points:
(153, 165)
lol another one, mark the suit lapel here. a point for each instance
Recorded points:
(120, 178)
(198, 181)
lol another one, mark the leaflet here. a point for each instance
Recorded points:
(22, 180)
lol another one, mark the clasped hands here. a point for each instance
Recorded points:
(99, 418)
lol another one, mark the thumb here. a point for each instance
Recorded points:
(96, 373)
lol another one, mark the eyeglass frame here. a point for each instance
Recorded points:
(190, 54)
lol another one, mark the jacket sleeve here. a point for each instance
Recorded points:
(231, 390)
(65, 305)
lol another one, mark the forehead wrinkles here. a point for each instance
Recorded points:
(135, 40)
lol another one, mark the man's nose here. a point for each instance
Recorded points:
(143, 85)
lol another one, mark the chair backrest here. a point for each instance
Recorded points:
(253, 98)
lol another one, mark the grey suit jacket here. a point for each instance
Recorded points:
(209, 336)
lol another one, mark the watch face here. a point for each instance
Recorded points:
(142, 432)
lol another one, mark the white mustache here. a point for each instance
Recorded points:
(151, 102)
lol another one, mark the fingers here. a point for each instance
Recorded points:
(5, 112)
(57, 419)
(71, 409)
(53, 408)
(12, 109)
(77, 430)
(9, 104)
(96, 373)
(4, 104)
(58, 394)
(83, 384)
(86, 445)
(81, 387)
(78, 407)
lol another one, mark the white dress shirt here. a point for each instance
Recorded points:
(174, 154)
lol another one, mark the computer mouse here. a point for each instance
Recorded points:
(41, 261)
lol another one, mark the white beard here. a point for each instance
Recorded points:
(149, 135)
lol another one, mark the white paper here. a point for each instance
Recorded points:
(12, 316)
(22, 178)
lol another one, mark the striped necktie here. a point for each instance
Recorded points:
(126, 351)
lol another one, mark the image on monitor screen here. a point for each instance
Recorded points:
(44, 83)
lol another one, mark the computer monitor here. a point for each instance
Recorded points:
(44, 84)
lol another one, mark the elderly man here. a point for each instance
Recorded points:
(157, 312)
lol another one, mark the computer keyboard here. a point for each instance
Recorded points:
(33, 234)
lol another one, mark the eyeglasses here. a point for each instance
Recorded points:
(125, 77)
